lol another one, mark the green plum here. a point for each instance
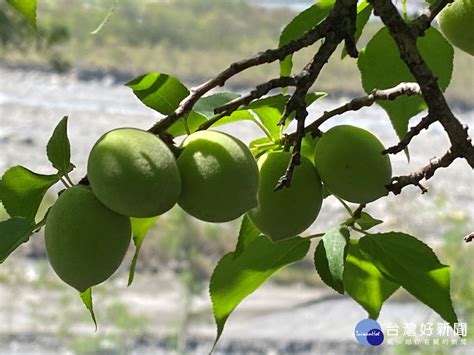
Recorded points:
(456, 21)
(351, 165)
(134, 173)
(287, 212)
(85, 241)
(219, 177)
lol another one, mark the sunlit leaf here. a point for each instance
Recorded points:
(270, 109)
(236, 116)
(381, 68)
(202, 111)
(140, 227)
(206, 105)
(193, 121)
(158, 91)
(301, 24)
(247, 235)
(261, 145)
(412, 264)
(86, 297)
(27, 8)
(364, 282)
(330, 255)
(234, 278)
(22, 190)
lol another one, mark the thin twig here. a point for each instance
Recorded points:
(358, 211)
(407, 89)
(312, 236)
(297, 103)
(268, 56)
(438, 108)
(414, 131)
(346, 207)
(423, 22)
(258, 92)
(399, 182)
(342, 27)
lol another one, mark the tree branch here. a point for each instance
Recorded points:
(408, 89)
(423, 22)
(437, 106)
(414, 131)
(258, 92)
(399, 182)
(297, 103)
(342, 27)
(268, 56)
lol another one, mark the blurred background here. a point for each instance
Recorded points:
(66, 70)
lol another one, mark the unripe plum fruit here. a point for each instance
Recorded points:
(134, 173)
(287, 212)
(219, 177)
(456, 21)
(351, 165)
(85, 241)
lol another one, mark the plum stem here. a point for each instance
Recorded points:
(347, 208)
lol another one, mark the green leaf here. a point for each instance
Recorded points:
(247, 235)
(364, 282)
(86, 297)
(161, 92)
(308, 146)
(381, 68)
(14, 232)
(301, 24)
(59, 149)
(311, 97)
(330, 255)
(203, 109)
(206, 105)
(261, 145)
(234, 278)
(193, 120)
(366, 221)
(27, 8)
(21, 191)
(269, 111)
(411, 263)
(236, 116)
(364, 10)
(140, 227)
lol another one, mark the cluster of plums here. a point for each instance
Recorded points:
(132, 173)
